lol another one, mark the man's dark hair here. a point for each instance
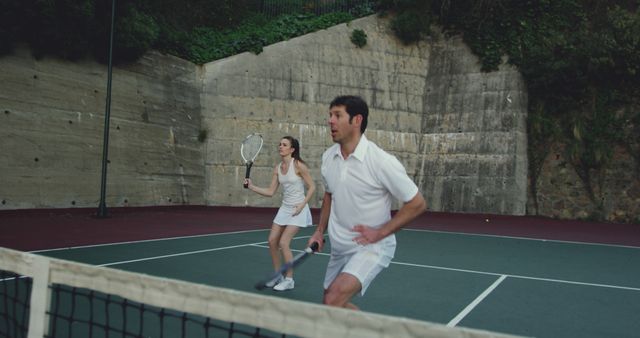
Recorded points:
(354, 105)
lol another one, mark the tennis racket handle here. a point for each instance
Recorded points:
(314, 246)
(246, 174)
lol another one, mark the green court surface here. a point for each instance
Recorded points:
(519, 286)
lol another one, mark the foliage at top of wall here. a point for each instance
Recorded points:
(205, 44)
(580, 60)
(197, 30)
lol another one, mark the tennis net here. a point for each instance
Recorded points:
(47, 297)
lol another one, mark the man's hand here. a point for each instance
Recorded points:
(317, 237)
(367, 235)
(409, 211)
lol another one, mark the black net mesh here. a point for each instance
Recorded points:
(15, 293)
(78, 312)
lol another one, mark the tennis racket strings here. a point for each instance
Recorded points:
(249, 149)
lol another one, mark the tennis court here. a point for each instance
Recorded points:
(542, 287)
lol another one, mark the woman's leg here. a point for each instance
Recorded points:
(274, 244)
(285, 245)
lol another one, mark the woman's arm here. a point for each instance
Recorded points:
(302, 170)
(268, 192)
(306, 176)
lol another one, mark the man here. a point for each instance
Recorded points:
(361, 180)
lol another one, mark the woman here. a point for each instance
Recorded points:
(292, 173)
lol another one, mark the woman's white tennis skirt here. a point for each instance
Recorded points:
(285, 216)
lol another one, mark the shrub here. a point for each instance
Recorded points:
(359, 38)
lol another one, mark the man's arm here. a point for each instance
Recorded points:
(318, 235)
(409, 211)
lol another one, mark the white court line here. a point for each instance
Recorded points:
(260, 245)
(525, 238)
(609, 286)
(176, 254)
(453, 322)
(475, 302)
(493, 286)
(436, 267)
(520, 276)
(187, 253)
(148, 240)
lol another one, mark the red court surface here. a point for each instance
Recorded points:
(38, 229)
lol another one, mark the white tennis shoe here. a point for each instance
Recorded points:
(286, 284)
(274, 282)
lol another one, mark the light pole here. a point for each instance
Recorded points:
(102, 208)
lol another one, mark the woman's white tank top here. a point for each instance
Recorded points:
(292, 185)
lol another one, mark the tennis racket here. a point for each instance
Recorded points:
(249, 150)
(289, 265)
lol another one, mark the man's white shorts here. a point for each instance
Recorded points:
(364, 264)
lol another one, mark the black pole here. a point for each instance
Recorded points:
(102, 208)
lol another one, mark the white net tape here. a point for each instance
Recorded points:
(280, 315)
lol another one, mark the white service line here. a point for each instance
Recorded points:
(177, 254)
(475, 302)
(525, 238)
(504, 276)
(520, 276)
(188, 253)
(553, 280)
(260, 245)
(446, 268)
(148, 240)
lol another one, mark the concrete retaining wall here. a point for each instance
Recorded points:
(52, 127)
(459, 132)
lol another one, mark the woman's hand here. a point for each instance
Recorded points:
(298, 209)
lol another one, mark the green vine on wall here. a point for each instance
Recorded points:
(359, 38)
(593, 137)
(580, 60)
(542, 132)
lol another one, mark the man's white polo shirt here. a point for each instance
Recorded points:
(362, 189)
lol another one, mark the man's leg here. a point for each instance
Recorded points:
(340, 292)
(353, 274)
